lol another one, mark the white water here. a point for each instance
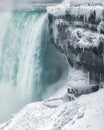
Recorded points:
(22, 36)
(29, 64)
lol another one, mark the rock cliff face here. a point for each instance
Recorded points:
(79, 34)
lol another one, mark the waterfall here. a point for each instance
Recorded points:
(29, 63)
(22, 42)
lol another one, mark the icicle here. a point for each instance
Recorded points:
(83, 47)
(100, 76)
(99, 12)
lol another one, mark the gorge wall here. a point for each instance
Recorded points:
(78, 33)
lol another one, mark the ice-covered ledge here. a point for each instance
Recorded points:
(77, 7)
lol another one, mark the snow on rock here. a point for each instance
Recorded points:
(86, 11)
(83, 10)
(86, 113)
(86, 2)
(79, 11)
(93, 115)
(79, 35)
(59, 9)
(38, 116)
(84, 39)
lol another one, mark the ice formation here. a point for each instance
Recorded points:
(84, 10)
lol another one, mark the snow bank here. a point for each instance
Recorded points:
(39, 116)
(86, 112)
(93, 115)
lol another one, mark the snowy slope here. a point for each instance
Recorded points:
(93, 113)
(84, 113)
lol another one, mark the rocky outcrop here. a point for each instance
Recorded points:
(79, 33)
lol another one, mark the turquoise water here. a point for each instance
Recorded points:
(31, 68)
(22, 41)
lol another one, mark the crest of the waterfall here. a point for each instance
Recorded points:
(22, 43)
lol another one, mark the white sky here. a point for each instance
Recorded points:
(24, 4)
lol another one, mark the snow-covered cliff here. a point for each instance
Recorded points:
(78, 32)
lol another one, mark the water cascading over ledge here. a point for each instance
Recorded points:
(28, 65)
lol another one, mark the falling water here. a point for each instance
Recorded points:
(29, 63)
(22, 39)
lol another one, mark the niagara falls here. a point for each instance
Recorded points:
(51, 65)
